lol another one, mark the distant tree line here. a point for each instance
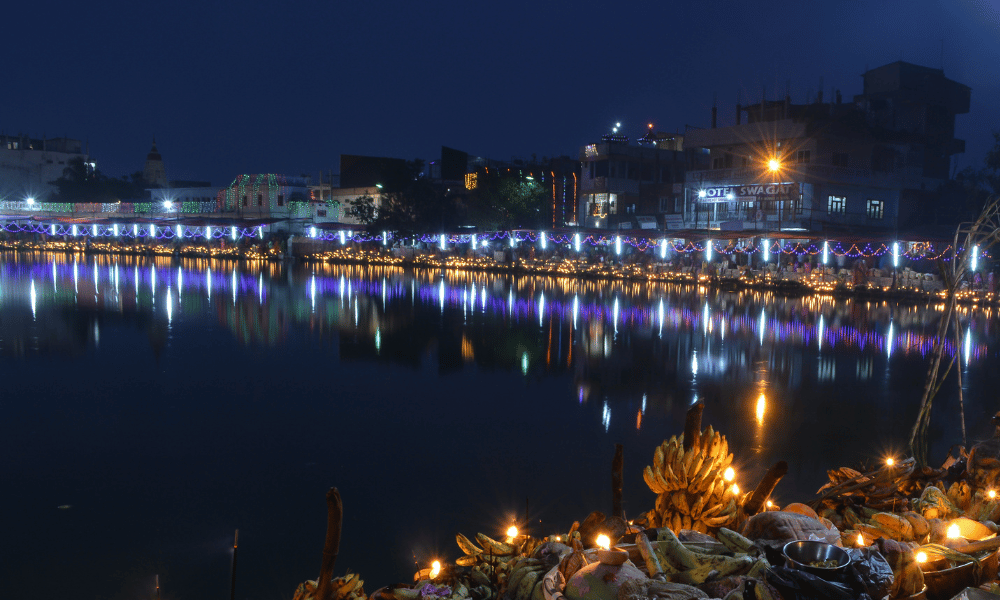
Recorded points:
(408, 202)
(81, 183)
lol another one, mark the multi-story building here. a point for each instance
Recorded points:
(873, 164)
(28, 166)
(624, 186)
(265, 196)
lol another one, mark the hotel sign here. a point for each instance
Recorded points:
(747, 193)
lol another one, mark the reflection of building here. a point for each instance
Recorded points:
(874, 163)
(632, 187)
(28, 166)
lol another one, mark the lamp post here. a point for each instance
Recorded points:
(774, 166)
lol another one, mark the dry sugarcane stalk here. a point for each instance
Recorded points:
(692, 425)
(331, 547)
(616, 483)
(763, 490)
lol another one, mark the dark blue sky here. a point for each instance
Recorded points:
(246, 87)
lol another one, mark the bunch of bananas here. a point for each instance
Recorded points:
(495, 559)
(691, 487)
(347, 587)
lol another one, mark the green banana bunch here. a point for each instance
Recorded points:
(694, 568)
(692, 491)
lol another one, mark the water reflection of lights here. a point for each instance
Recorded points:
(661, 317)
(524, 363)
(761, 408)
(635, 307)
(644, 403)
(170, 308)
(606, 416)
(694, 363)
(616, 315)
(312, 292)
(34, 298)
(968, 342)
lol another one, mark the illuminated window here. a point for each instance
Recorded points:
(836, 205)
(599, 206)
(471, 181)
(876, 208)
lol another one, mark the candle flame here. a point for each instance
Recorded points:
(435, 568)
(604, 541)
(770, 504)
(512, 531)
(890, 461)
(861, 540)
(729, 474)
(558, 538)
(921, 557)
(992, 494)
(761, 407)
(954, 531)
(736, 490)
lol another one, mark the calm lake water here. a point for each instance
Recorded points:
(168, 403)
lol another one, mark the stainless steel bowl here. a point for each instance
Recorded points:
(799, 554)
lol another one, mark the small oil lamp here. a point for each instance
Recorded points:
(607, 555)
(954, 537)
(729, 474)
(861, 540)
(991, 494)
(930, 563)
(511, 534)
(435, 569)
(889, 462)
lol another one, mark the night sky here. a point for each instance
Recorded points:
(247, 87)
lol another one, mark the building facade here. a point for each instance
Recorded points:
(265, 196)
(625, 186)
(872, 164)
(153, 171)
(28, 166)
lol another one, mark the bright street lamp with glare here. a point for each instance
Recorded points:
(774, 165)
(30, 201)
